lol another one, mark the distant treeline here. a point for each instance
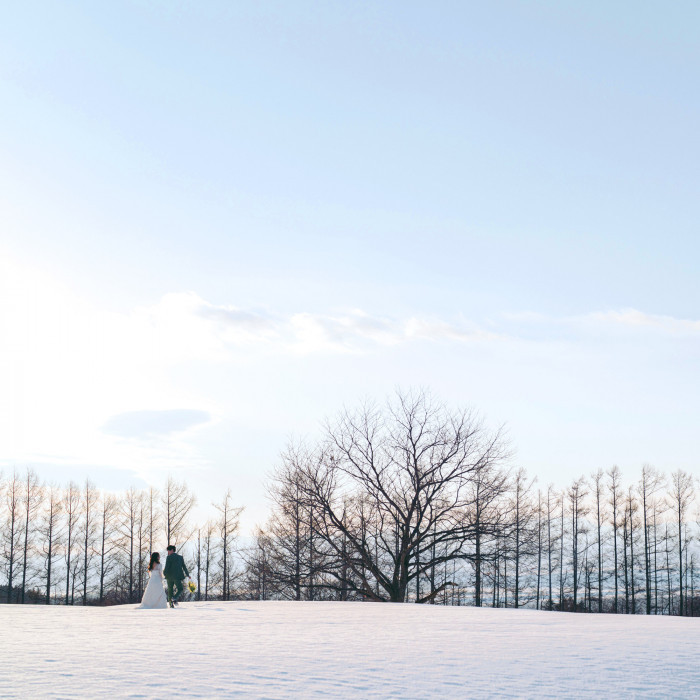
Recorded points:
(410, 501)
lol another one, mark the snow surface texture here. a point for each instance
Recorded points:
(342, 650)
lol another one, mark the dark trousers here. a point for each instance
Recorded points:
(177, 585)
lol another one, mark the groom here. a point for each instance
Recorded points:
(174, 572)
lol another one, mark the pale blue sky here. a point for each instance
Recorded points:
(466, 196)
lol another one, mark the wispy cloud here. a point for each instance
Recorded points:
(350, 331)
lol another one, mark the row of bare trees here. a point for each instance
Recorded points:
(76, 544)
(413, 501)
(410, 501)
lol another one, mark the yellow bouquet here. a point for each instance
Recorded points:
(192, 586)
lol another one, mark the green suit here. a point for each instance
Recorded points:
(175, 572)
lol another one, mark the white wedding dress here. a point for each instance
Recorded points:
(154, 596)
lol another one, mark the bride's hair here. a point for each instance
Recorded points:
(155, 559)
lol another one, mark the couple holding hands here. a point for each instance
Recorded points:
(175, 572)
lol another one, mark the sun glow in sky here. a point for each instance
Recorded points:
(220, 223)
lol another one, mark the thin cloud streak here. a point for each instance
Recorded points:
(347, 332)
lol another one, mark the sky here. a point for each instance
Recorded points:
(222, 222)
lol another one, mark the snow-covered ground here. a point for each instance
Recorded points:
(342, 650)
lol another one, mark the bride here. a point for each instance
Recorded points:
(154, 595)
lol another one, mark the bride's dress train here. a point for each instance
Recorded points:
(154, 596)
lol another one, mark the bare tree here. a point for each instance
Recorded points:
(177, 503)
(288, 547)
(259, 578)
(142, 555)
(208, 551)
(49, 530)
(615, 499)
(88, 525)
(562, 499)
(597, 479)
(109, 527)
(577, 493)
(667, 551)
(32, 494)
(297, 561)
(408, 467)
(198, 563)
(227, 526)
(650, 482)
(680, 497)
(538, 597)
(552, 500)
(12, 532)
(487, 485)
(154, 517)
(658, 506)
(523, 512)
(629, 527)
(131, 506)
(71, 508)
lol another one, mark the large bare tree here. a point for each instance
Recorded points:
(390, 489)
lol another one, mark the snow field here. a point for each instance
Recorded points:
(342, 650)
